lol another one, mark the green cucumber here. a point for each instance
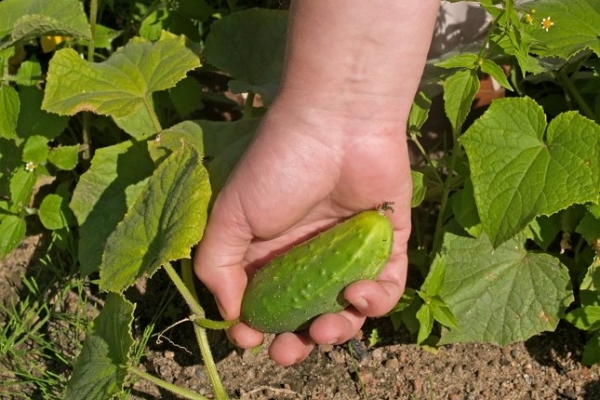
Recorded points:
(310, 278)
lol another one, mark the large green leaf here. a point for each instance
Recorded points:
(221, 144)
(12, 231)
(572, 26)
(120, 85)
(10, 105)
(522, 168)
(501, 295)
(27, 19)
(250, 46)
(104, 194)
(35, 121)
(165, 222)
(101, 367)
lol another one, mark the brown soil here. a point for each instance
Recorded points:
(546, 367)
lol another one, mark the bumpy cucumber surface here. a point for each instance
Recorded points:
(310, 278)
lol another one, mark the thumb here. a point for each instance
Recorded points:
(218, 261)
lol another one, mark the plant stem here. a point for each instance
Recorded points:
(93, 17)
(190, 298)
(248, 106)
(189, 294)
(447, 188)
(574, 92)
(215, 325)
(87, 117)
(188, 394)
(415, 140)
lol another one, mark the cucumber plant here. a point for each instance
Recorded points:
(505, 221)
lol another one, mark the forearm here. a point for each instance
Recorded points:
(357, 58)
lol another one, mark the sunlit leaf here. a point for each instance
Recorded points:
(161, 226)
(104, 194)
(501, 295)
(26, 19)
(101, 368)
(522, 167)
(572, 26)
(120, 85)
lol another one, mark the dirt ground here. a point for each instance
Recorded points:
(546, 367)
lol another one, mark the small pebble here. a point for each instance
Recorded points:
(392, 363)
(417, 385)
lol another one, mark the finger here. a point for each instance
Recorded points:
(218, 262)
(245, 337)
(374, 298)
(290, 348)
(336, 328)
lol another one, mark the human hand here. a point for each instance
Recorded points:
(306, 170)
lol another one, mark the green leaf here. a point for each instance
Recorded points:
(33, 120)
(585, 318)
(589, 227)
(29, 73)
(104, 194)
(21, 188)
(12, 232)
(120, 85)
(501, 295)
(465, 210)
(64, 157)
(10, 105)
(408, 308)
(220, 143)
(419, 188)
(544, 229)
(459, 91)
(419, 112)
(575, 27)
(186, 96)
(101, 368)
(36, 149)
(104, 37)
(26, 19)
(462, 60)
(165, 222)
(517, 175)
(496, 72)
(591, 281)
(591, 351)
(54, 212)
(250, 46)
(442, 314)
(435, 278)
(425, 318)
(139, 123)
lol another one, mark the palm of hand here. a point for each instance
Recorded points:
(294, 181)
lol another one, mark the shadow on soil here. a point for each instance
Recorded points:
(561, 350)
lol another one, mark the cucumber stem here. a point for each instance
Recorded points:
(188, 394)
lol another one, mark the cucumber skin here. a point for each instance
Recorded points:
(309, 279)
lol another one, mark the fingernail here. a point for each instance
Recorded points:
(361, 303)
(333, 341)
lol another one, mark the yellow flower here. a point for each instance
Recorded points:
(547, 23)
(29, 166)
(49, 43)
